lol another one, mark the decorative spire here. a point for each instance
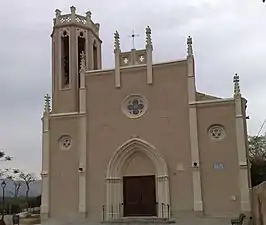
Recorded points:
(189, 46)
(117, 41)
(73, 10)
(97, 25)
(88, 15)
(148, 37)
(57, 13)
(47, 107)
(82, 62)
(236, 86)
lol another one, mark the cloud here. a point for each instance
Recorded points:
(228, 37)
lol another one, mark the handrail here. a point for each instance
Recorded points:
(115, 211)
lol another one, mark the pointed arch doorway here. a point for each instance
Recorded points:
(136, 195)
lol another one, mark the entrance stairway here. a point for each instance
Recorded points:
(148, 221)
(140, 220)
(164, 221)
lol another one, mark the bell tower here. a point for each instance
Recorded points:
(72, 35)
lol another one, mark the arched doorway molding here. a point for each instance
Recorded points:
(114, 176)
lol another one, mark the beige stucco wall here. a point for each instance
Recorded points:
(219, 186)
(165, 125)
(63, 168)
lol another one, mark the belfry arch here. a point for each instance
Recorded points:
(114, 176)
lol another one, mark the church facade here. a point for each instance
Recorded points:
(137, 140)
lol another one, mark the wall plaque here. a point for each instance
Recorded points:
(218, 166)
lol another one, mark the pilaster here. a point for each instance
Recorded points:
(245, 195)
(45, 160)
(82, 129)
(194, 144)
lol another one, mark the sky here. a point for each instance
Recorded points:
(228, 37)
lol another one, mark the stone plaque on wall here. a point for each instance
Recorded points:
(218, 166)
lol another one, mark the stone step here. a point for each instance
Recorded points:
(140, 220)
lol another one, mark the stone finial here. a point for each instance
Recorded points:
(47, 106)
(88, 15)
(73, 10)
(236, 86)
(117, 41)
(97, 25)
(189, 46)
(148, 37)
(82, 62)
(57, 13)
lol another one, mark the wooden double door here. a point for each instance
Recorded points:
(139, 196)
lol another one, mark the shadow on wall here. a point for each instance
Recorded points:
(259, 204)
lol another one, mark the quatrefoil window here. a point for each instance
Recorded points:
(65, 142)
(216, 132)
(134, 106)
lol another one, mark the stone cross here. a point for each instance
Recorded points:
(125, 60)
(133, 36)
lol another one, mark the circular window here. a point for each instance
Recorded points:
(216, 132)
(65, 142)
(134, 106)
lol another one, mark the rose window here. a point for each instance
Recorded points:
(134, 106)
(65, 142)
(216, 132)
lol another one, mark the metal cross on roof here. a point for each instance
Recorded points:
(133, 35)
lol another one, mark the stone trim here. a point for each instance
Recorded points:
(114, 175)
(107, 71)
(66, 114)
(82, 143)
(149, 64)
(82, 148)
(211, 102)
(45, 203)
(194, 144)
(245, 194)
(117, 69)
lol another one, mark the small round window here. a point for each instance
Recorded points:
(65, 142)
(216, 132)
(134, 106)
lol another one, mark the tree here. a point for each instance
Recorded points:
(14, 177)
(257, 157)
(4, 157)
(28, 178)
(257, 149)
